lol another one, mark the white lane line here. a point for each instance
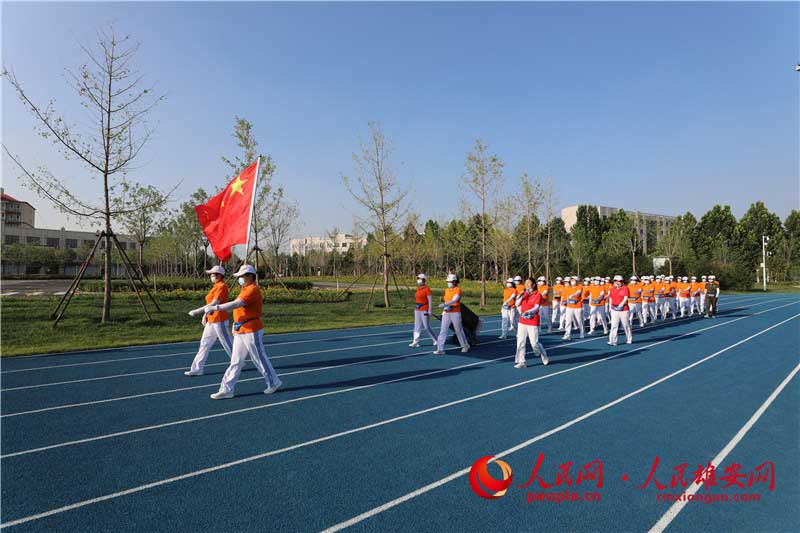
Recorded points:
(360, 387)
(9, 293)
(266, 345)
(176, 369)
(140, 346)
(678, 506)
(411, 495)
(427, 488)
(181, 389)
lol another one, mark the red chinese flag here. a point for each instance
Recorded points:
(225, 218)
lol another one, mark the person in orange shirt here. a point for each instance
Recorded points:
(544, 312)
(703, 281)
(684, 289)
(215, 325)
(649, 299)
(597, 306)
(574, 298)
(661, 289)
(607, 285)
(635, 301)
(507, 309)
(423, 303)
(519, 286)
(587, 282)
(451, 314)
(694, 296)
(558, 288)
(670, 294)
(248, 338)
(562, 319)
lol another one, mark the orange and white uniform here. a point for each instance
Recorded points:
(557, 290)
(635, 302)
(215, 328)
(694, 298)
(451, 315)
(573, 295)
(649, 300)
(423, 301)
(508, 309)
(544, 312)
(597, 307)
(670, 294)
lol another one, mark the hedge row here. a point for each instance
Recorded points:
(186, 284)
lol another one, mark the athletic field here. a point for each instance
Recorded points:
(372, 435)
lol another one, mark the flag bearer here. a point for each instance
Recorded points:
(544, 289)
(423, 303)
(530, 306)
(451, 314)
(215, 325)
(248, 335)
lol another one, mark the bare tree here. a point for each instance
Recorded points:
(484, 177)
(529, 200)
(138, 209)
(277, 217)
(549, 204)
(111, 90)
(501, 235)
(333, 234)
(375, 188)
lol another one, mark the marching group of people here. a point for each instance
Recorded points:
(528, 305)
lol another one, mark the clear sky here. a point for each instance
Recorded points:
(661, 107)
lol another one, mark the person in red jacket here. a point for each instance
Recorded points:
(620, 312)
(529, 304)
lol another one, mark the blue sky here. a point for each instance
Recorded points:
(662, 107)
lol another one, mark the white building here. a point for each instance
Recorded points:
(342, 243)
(570, 216)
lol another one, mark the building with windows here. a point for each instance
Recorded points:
(653, 226)
(341, 243)
(18, 227)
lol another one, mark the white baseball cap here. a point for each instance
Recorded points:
(517, 278)
(541, 278)
(245, 269)
(712, 277)
(618, 278)
(510, 280)
(452, 277)
(634, 278)
(422, 276)
(216, 269)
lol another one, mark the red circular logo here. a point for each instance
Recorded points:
(479, 475)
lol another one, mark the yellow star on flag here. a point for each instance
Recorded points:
(236, 186)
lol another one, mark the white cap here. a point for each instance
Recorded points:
(634, 278)
(422, 276)
(216, 269)
(452, 277)
(567, 278)
(517, 278)
(510, 280)
(618, 278)
(685, 278)
(559, 278)
(607, 278)
(541, 278)
(712, 276)
(703, 277)
(694, 278)
(245, 269)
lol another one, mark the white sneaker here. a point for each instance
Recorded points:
(582, 336)
(501, 337)
(565, 338)
(270, 390)
(629, 342)
(193, 373)
(433, 343)
(438, 352)
(465, 349)
(610, 343)
(221, 395)
(545, 359)
(519, 365)
(414, 345)
(591, 332)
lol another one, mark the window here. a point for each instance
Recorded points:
(12, 239)
(33, 240)
(53, 242)
(87, 242)
(71, 243)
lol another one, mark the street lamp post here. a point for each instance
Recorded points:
(764, 241)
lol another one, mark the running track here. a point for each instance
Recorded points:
(370, 435)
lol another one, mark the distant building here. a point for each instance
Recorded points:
(342, 243)
(16, 212)
(17, 227)
(659, 223)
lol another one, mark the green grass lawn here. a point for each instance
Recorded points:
(26, 327)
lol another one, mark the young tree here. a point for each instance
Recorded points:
(111, 89)
(624, 234)
(376, 190)
(529, 200)
(676, 242)
(139, 207)
(484, 177)
(502, 234)
(277, 216)
(549, 202)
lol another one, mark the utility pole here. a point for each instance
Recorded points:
(764, 241)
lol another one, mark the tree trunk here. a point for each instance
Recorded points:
(547, 260)
(530, 263)
(483, 253)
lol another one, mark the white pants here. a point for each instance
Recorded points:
(616, 318)
(650, 311)
(251, 344)
(544, 317)
(528, 333)
(455, 319)
(598, 312)
(556, 314)
(670, 307)
(507, 320)
(587, 311)
(574, 319)
(659, 309)
(212, 332)
(702, 303)
(636, 310)
(422, 321)
(562, 319)
(683, 305)
(694, 303)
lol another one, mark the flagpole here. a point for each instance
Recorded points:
(252, 206)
